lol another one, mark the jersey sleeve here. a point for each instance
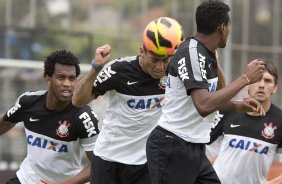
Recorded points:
(88, 129)
(105, 81)
(16, 113)
(217, 126)
(190, 67)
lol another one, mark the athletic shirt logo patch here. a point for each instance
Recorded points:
(163, 81)
(62, 130)
(268, 131)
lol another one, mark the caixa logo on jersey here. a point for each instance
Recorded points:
(150, 103)
(104, 75)
(46, 144)
(248, 146)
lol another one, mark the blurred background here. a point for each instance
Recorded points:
(32, 29)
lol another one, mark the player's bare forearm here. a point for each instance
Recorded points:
(83, 89)
(5, 126)
(207, 103)
(239, 105)
(245, 105)
(228, 106)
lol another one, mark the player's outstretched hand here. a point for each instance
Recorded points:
(250, 105)
(254, 71)
(102, 54)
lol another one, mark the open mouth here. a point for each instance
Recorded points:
(66, 93)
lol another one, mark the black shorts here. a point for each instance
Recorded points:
(105, 172)
(14, 180)
(171, 160)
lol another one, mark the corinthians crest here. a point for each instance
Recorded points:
(268, 131)
(163, 81)
(62, 130)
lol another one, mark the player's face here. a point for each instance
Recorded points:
(61, 84)
(263, 89)
(153, 65)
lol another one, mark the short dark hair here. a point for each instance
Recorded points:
(210, 15)
(271, 68)
(62, 57)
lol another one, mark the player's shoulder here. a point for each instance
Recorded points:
(30, 97)
(191, 46)
(191, 42)
(181, 51)
(229, 115)
(85, 108)
(275, 111)
(224, 116)
(184, 45)
(119, 65)
(275, 108)
(86, 122)
(122, 61)
(85, 112)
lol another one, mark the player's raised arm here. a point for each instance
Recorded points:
(83, 89)
(206, 102)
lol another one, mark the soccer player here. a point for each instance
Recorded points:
(135, 86)
(57, 133)
(250, 141)
(176, 147)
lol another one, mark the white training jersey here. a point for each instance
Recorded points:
(249, 145)
(194, 66)
(56, 140)
(134, 107)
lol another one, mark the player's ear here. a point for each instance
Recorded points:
(275, 89)
(223, 28)
(47, 79)
(142, 50)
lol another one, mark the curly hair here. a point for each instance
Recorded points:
(63, 57)
(210, 15)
